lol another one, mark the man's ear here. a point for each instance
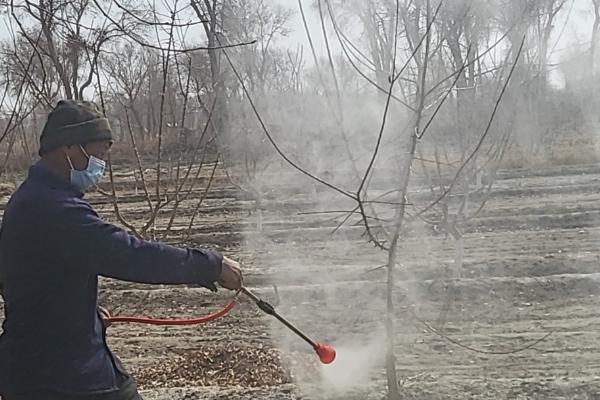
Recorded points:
(69, 150)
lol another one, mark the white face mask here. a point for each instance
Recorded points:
(90, 176)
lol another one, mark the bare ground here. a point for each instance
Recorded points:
(531, 268)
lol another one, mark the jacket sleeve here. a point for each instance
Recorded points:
(110, 251)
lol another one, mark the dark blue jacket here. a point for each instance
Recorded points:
(53, 247)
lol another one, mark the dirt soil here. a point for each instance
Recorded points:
(531, 268)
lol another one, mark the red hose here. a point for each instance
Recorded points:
(173, 321)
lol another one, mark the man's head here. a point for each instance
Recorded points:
(75, 136)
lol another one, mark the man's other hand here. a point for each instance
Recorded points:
(231, 274)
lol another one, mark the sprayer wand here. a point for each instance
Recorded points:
(325, 352)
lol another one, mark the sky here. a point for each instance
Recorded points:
(567, 40)
(572, 33)
(298, 35)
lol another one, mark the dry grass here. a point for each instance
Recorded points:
(219, 364)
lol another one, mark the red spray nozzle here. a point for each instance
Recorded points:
(325, 352)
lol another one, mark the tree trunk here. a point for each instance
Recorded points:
(595, 37)
(52, 48)
(390, 360)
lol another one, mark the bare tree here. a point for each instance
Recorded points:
(384, 228)
(130, 67)
(71, 41)
(210, 13)
(546, 16)
(595, 38)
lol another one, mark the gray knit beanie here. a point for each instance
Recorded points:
(73, 122)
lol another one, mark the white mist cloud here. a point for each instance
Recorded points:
(354, 364)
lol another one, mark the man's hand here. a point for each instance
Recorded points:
(231, 274)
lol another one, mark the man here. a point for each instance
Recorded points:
(53, 247)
